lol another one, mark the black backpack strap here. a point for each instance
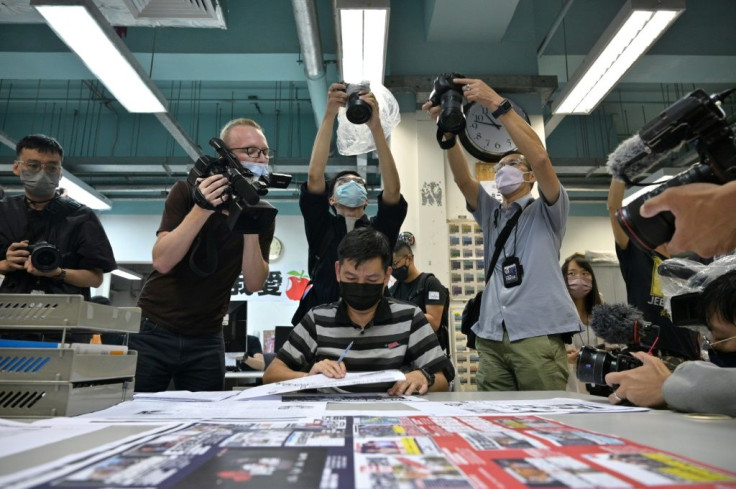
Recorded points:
(423, 277)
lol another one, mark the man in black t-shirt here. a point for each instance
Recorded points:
(42, 214)
(423, 290)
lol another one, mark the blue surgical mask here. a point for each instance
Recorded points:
(351, 194)
(258, 169)
(509, 179)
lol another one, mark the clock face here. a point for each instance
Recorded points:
(276, 249)
(484, 137)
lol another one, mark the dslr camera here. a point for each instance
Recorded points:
(698, 118)
(247, 212)
(593, 364)
(449, 96)
(356, 110)
(45, 257)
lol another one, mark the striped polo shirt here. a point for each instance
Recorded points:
(399, 337)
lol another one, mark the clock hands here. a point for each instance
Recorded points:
(491, 123)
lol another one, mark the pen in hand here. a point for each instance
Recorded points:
(342, 355)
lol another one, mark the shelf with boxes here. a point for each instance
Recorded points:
(467, 277)
(60, 378)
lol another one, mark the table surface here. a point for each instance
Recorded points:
(709, 441)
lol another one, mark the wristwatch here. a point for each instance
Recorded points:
(61, 276)
(430, 377)
(503, 107)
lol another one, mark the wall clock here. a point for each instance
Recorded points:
(484, 137)
(276, 249)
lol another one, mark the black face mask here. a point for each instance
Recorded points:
(361, 296)
(401, 273)
(722, 359)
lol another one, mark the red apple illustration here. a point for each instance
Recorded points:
(297, 285)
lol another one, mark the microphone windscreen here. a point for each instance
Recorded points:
(615, 322)
(620, 161)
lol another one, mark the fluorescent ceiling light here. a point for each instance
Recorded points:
(635, 28)
(83, 193)
(363, 28)
(84, 29)
(124, 273)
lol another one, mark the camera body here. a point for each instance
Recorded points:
(593, 364)
(45, 257)
(449, 96)
(247, 213)
(698, 118)
(356, 110)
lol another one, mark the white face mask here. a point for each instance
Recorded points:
(258, 169)
(509, 179)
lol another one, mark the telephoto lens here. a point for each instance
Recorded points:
(449, 96)
(356, 110)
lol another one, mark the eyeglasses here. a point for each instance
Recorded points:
(36, 166)
(584, 273)
(515, 162)
(255, 153)
(708, 343)
(350, 178)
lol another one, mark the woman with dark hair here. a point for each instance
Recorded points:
(583, 289)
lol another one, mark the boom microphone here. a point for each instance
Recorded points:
(624, 324)
(633, 157)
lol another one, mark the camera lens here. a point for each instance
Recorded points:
(593, 365)
(45, 257)
(451, 118)
(356, 110)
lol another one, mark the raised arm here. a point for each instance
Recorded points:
(468, 185)
(386, 163)
(172, 246)
(336, 98)
(524, 137)
(615, 198)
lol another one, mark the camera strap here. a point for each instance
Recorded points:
(503, 237)
(445, 144)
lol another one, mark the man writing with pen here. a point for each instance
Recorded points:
(365, 331)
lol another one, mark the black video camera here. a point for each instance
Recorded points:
(45, 257)
(356, 110)
(449, 96)
(593, 364)
(699, 118)
(247, 213)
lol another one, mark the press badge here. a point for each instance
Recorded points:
(433, 295)
(512, 272)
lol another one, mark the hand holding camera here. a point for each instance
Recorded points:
(41, 259)
(641, 386)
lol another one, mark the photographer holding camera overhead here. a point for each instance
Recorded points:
(48, 243)
(525, 310)
(346, 194)
(198, 255)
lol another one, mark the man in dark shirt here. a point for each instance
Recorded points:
(182, 305)
(383, 333)
(42, 214)
(348, 197)
(639, 270)
(421, 289)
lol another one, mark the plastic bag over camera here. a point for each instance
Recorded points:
(356, 139)
(679, 276)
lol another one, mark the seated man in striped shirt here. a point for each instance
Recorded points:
(385, 333)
